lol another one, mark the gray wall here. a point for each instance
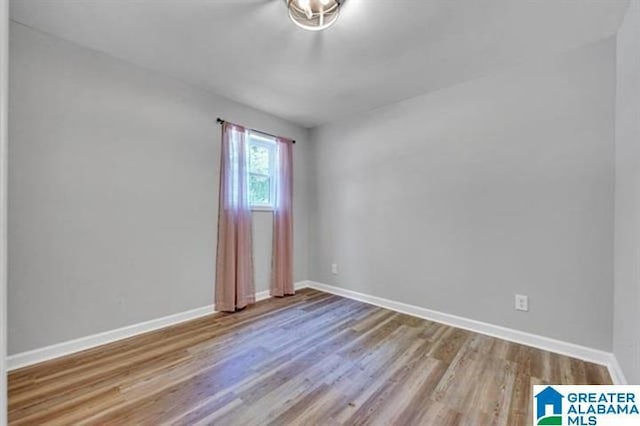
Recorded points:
(626, 335)
(458, 199)
(4, 44)
(453, 200)
(113, 192)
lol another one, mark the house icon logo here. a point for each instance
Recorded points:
(549, 407)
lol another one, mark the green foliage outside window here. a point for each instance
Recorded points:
(259, 159)
(259, 191)
(260, 163)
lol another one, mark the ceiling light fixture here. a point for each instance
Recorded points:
(314, 15)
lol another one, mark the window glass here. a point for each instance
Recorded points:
(262, 163)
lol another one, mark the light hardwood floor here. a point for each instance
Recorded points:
(312, 358)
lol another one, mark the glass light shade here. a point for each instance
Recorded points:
(314, 15)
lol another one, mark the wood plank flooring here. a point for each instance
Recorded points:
(312, 358)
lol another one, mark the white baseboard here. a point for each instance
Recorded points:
(57, 350)
(25, 359)
(35, 356)
(617, 375)
(570, 349)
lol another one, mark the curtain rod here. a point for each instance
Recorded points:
(221, 121)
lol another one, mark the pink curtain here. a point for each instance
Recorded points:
(234, 264)
(282, 251)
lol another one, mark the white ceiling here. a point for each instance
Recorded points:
(380, 51)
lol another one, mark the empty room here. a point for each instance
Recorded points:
(320, 212)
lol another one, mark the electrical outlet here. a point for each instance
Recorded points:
(334, 268)
(522, 302)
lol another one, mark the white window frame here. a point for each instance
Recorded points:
(256, 139)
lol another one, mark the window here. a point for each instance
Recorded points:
(262, 163)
